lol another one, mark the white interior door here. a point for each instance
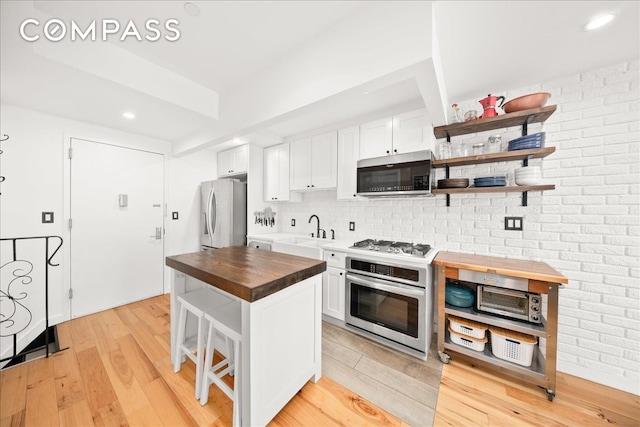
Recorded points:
(116, 245)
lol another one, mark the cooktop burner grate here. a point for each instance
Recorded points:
(400, 248)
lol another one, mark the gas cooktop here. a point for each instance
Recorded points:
(387, 246)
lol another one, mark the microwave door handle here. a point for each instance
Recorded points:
(383, 286)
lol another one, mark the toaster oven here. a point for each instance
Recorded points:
(509, 303)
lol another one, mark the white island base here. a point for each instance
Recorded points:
(281, 344)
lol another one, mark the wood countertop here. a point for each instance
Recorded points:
(508, 267)
(248, 273)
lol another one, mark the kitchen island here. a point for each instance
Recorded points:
(280, 299)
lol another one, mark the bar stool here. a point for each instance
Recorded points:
(226, 321)
(197, 303)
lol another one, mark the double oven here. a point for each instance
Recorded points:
(391, 297)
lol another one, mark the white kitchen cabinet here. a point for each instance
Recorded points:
(348, 152)
(233, 162)
(376, 138)
(314, 162)
(333, 293)
(402, 133)
(411, 132)
(276, 173)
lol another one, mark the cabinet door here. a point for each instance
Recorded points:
(324, 160)
(376, 138)
(271, 173)
(300, 164)
(240, 159)
(348, 146)
(225, 160)
(333, 293)
(411, 132)
(232, 162)
(283, 173)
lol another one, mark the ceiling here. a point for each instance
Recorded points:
(484, 47)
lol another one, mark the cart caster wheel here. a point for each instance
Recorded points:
(550, 395)
(444, 357)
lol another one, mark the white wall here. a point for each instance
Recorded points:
(588, 228)
(33, 165)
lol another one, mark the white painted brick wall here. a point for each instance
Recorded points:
(588, 228)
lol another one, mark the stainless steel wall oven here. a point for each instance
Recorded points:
(389, 300)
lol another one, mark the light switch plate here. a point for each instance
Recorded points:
(513, 223)
(293, 222)
(352, 226)
(174, 215)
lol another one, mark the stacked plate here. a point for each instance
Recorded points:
(528, 175)
(453, 183)
(527, 142)
(490, 181)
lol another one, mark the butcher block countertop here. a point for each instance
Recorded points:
(248, 273)
(508, 267)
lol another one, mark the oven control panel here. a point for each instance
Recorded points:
(409, 274)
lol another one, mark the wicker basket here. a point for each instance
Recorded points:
(476, 344)
(512, 346)
(467, 327)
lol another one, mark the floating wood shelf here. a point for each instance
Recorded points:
(506, 156)
(519, 118)
(511, 189)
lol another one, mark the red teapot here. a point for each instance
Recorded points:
(489, 105)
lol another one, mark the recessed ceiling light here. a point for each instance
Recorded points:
(192, 9)
(366, 93)
(598, 22)
(128, 115)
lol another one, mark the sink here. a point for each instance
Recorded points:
(300, 246)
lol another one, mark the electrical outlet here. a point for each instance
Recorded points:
(174, 215)
(293, 222)
(47, 217)
(513, 223)
(352, 226)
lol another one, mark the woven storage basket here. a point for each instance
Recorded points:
(512, 346)
(467, 327)
(476, 344)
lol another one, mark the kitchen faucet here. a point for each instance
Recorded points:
(318, 228)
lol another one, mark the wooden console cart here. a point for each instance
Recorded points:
(542, 279)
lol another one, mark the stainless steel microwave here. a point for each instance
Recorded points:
(398, 175)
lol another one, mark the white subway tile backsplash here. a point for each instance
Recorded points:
(588, 228)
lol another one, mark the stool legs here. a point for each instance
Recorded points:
(236, 384)
(182, 321)
(208, 360)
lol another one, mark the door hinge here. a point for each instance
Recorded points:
(70, 223)
(70, 293)
(70, 153)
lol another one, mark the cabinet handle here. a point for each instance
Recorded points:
(333, 254)
(308, 186)
(354, 195)
(312, 185)
(341, 274)
(387, 151)
(395, 151)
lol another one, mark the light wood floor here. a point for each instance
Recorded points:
(117, 372)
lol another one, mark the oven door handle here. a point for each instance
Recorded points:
(397, 288)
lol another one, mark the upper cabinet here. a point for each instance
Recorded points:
(314, 162)
(276, 173)
(411, 132)
(400, 134)
(348, 146)
(233, 162)
(376, 138)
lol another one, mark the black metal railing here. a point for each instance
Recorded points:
(15, 316)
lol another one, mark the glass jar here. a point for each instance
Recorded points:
(462, 150)
(477, 149)
(495, 144)
(446, 150)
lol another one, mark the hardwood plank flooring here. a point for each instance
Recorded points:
(117, 372)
